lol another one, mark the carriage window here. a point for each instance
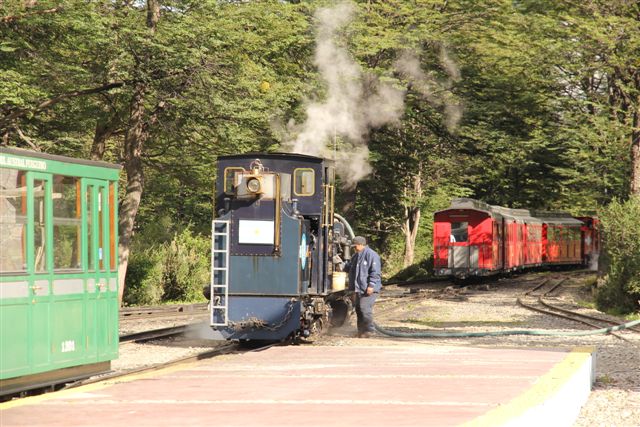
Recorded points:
(303, 182)
(459, 232)
(39, 224)
(229, 177)
(90, 244)
(66, 223)
(101, 234)
(13, 220)
(112, 227)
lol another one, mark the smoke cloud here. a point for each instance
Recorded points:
(355, 102)
(437, 92)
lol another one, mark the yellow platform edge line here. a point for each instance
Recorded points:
(547, 385)
(33, 400)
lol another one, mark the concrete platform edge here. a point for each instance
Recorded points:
(34, 400)
(555, 399)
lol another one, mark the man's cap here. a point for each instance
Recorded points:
(359, 240)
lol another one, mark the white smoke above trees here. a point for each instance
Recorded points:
(355, 102)
(436, 91)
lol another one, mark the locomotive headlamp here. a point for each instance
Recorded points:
(253, 185)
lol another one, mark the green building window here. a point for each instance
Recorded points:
(40, 226)
(112, 227)
(90, 244)
(66, 223)
(13, 221)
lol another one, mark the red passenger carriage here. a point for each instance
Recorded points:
(472, 238)
(468, 239)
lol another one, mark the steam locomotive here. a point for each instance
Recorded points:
(275, 237)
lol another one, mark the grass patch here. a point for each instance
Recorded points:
(605, 380)
(586, 304)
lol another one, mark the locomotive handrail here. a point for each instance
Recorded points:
(278, 218)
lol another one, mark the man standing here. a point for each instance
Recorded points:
(365, 282)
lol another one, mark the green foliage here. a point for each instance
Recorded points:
(186, 267)
(420, 270)
(547, 92)
(145, 276)
(620, 285)
(176, 269)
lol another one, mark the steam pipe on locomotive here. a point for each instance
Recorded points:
(277, 247)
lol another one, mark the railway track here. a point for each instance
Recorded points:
(175, 311)
(147, 312)
(540, 294)
(144, 336)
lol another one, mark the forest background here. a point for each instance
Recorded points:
(532, 103)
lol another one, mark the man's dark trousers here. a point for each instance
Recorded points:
(364, 311)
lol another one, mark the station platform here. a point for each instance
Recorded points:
(402, 384)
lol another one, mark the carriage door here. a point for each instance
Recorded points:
(100, 290)
(39, 203)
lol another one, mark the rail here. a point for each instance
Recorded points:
(444, 334)
(163, 310)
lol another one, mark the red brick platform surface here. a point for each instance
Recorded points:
(393, 385)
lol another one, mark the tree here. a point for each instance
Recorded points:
(167, 81)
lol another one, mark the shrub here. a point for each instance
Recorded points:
(186, 267)
(619, 284)
(167, 270)
(421, 270)
(144, 284)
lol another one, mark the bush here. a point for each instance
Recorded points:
(619, 284)
(421, 270)
(174, 270)
(186, 267)
(144, 284)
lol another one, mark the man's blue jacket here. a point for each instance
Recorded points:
(364, 271)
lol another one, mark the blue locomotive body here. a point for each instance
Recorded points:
(273, 242)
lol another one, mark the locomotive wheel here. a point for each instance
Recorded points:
(317, 327)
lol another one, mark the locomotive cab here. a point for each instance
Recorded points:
(273, 244)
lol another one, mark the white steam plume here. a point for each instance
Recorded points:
(350, 109)
(438, 93)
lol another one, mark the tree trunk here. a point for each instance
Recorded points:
(104, 130)
(410, 229)
(133, 149)
(635, 157)
(635, 144)
(412, 222)
(134, 140)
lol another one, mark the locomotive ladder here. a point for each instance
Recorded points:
(220, 273)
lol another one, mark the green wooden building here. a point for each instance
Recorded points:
(58, 268)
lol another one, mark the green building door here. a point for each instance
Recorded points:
(40, 260)
(101, 290)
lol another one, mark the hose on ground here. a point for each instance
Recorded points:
(433, 334)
